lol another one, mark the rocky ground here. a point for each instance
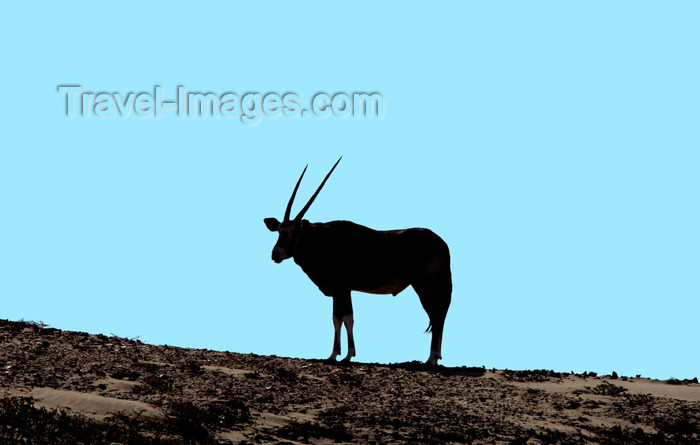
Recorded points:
(71, 387)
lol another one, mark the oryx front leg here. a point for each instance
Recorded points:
(342, 314)
(337, 324)
(349, 321)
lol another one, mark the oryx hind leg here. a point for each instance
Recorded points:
(436, 343)
(435, 296)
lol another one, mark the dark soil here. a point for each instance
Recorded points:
(202, 396)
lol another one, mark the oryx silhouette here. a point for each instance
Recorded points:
(341, 256)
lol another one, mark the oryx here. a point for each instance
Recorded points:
(341, 256)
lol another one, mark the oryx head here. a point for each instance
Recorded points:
(289, 229)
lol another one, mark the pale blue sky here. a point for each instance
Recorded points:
(553, 145)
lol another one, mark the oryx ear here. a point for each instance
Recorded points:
(272, 224)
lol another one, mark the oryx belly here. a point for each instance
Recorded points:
(394, 287)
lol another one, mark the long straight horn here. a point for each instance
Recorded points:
(294, 193)
(308, 204)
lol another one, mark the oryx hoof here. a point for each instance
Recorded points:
(351, 354)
